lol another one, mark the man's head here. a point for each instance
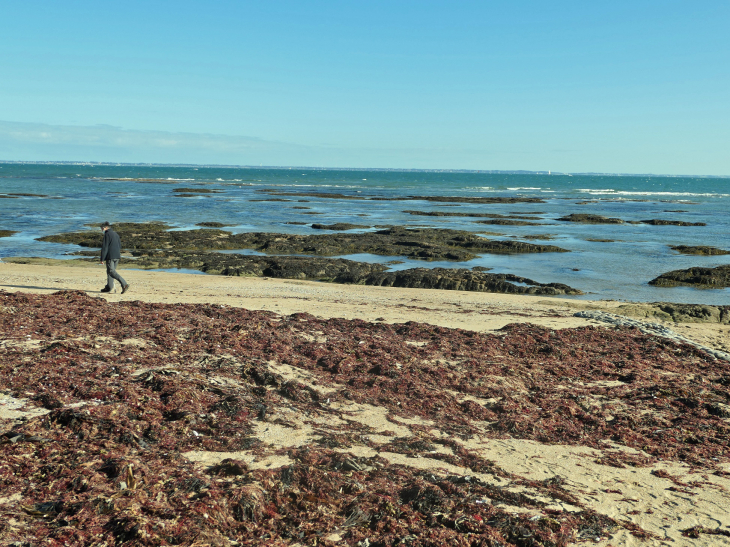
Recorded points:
(105, 226)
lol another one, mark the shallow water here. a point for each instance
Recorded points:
(77, 195)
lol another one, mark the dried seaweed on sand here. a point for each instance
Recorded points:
(129, 388)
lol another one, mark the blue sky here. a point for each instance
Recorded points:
(619, 86)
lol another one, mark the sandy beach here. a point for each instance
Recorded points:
(481, 312)
(653, 500)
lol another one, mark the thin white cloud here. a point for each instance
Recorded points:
(98, 137)
(21, 141)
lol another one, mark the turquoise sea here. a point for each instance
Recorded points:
(67, 197)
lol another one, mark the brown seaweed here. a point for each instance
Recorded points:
(138, 384)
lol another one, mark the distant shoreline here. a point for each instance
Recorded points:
(543, 172)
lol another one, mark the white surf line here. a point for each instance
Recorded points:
(649, 328)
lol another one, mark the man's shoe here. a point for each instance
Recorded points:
(124, 289)
(106, 289)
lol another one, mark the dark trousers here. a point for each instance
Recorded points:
(111, 274)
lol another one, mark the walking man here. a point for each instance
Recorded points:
(111, 252)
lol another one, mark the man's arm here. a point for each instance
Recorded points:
(105, 247)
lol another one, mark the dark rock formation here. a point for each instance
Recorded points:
(197, 190)
(590, 219)
(706, 278)
(287, 267)
(420, 243)
(660, 222)
(442, 199)
(330, 195)
(467, 215)
(212, 224)
(339, 226)
(507, 222)
(699, 250)
(7, 233)
(600, 240)
(460, 280)
(536, 236)
(485, 200)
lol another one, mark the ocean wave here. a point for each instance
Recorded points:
(673, 194)
(525, 188)
(591, 190)
(139, 179)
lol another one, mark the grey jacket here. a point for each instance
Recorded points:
(111, 247)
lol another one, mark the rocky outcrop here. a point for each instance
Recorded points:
(339, 226)
(213, 224)
(708, 278)
(197, 190)
(483, 200)
(417, 243)
(679, 313)
(590, 219)
(7, 233)
(468, 215)
(661, 222)
(598, 219)
(441, 199)
(699, 250)
(695, 313)
(508, 222)
(460, 280)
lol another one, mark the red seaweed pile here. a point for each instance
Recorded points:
(131, 386)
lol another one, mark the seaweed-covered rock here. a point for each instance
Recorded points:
(699, 250)
(590, 219)
(339, 226)
(695, 313)
(417, 243)
(679, 313)
(661, 222)
(212, 224)
(461, 280)
(7, 233)
(442, 199)
(468, 215)
(509, 222)
(197, 190)
(483, 200)
(711, 278)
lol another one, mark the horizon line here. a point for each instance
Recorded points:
(395, 169)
